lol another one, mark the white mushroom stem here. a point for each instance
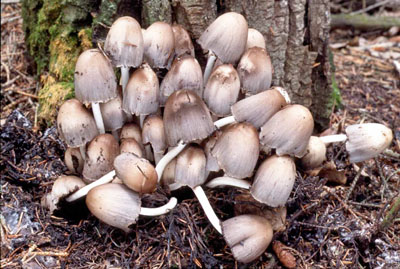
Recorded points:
(82, 150)
(209, 67)
(98, 118)
(333, 138)
(168, 157)
(157, 211)
(228, 181)
(205, 204)
(83, 191)
(124, 77)
(224, 121)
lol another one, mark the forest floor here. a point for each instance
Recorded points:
(323, 229)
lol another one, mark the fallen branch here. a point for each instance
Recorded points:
(363, 22)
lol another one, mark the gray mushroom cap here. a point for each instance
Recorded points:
(75, 124)
(141, 96)
(115, 205)
(255, 39)
(248, 236)
(237, 150)
(259, 108)
(190, 169)
(185, 73)
(153, 132)
(94, 78)
(226, 37)
(274, 181)
(136, 173)
(183, 42)
(113, 115)
(222, 89)
(124, 42)
(288, 131)
(62, 187)
(100, 156)
(315, 153)
(255, 71)
(159, 43)
(212, 163)
(73, 160)
(186, 118)
(367, 140)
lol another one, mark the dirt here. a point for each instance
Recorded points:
(322, 229)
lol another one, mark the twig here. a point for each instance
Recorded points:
(353, 184)
(388, 220)
(9, 1)
(371, 7)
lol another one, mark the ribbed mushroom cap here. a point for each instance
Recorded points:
(315, 153)
(255, 71)
(62, 187)
(237, 150)
(288, 131)
(153, 132)
(248, 236)
(113, 115)
(185, 73)
(183, 42)
(259, 108)
(222, 90)
(73, 160)
(136, 173)
(100, 156)
(131, 130)
(226, 37)
(94, 78)
(132, 146)
(186, 118)
(168, 176)
(255, 39)
(115, 205)
(75, 124)
(274, 181)
(159, 43)
(367, 140)
(142, 94)
(190, 169)
(124, 42)
(212, 163)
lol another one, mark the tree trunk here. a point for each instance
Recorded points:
(296, 34)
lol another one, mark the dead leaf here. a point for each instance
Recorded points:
(284, 256)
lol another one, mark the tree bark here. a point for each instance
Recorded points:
(296, 34)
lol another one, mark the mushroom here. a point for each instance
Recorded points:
(315, 153)
(124, 45)
(255, 71)
(136, 173)
(101, 153)
(255, 39)
(288, 131)
(113, 115)
(131, 130)
(185, 73)
(159, 43)
(142, 93)
(73, 160)
(225, 38)
(75, 125)
(132, 146)
(95, 82)
(248, 236)
(120, 207)
(62, 187)
(183, 42)
(222, 90)
(274, 181)
(153, 133)
(212, 163)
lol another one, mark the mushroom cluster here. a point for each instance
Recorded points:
(226, 127)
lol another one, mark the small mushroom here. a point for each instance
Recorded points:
(255, 39)
(248, 236)
(132, 146)
(315, 153)
(153, 133)
(73, 160)
(190, 169)
(131, 130)
(288, 131)
(113, 115)
(136, 173)
(274, 181)
(101, 153)
(183, 42)
(255, 71)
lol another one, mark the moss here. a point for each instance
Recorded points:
(336, 98)
(155, 10)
